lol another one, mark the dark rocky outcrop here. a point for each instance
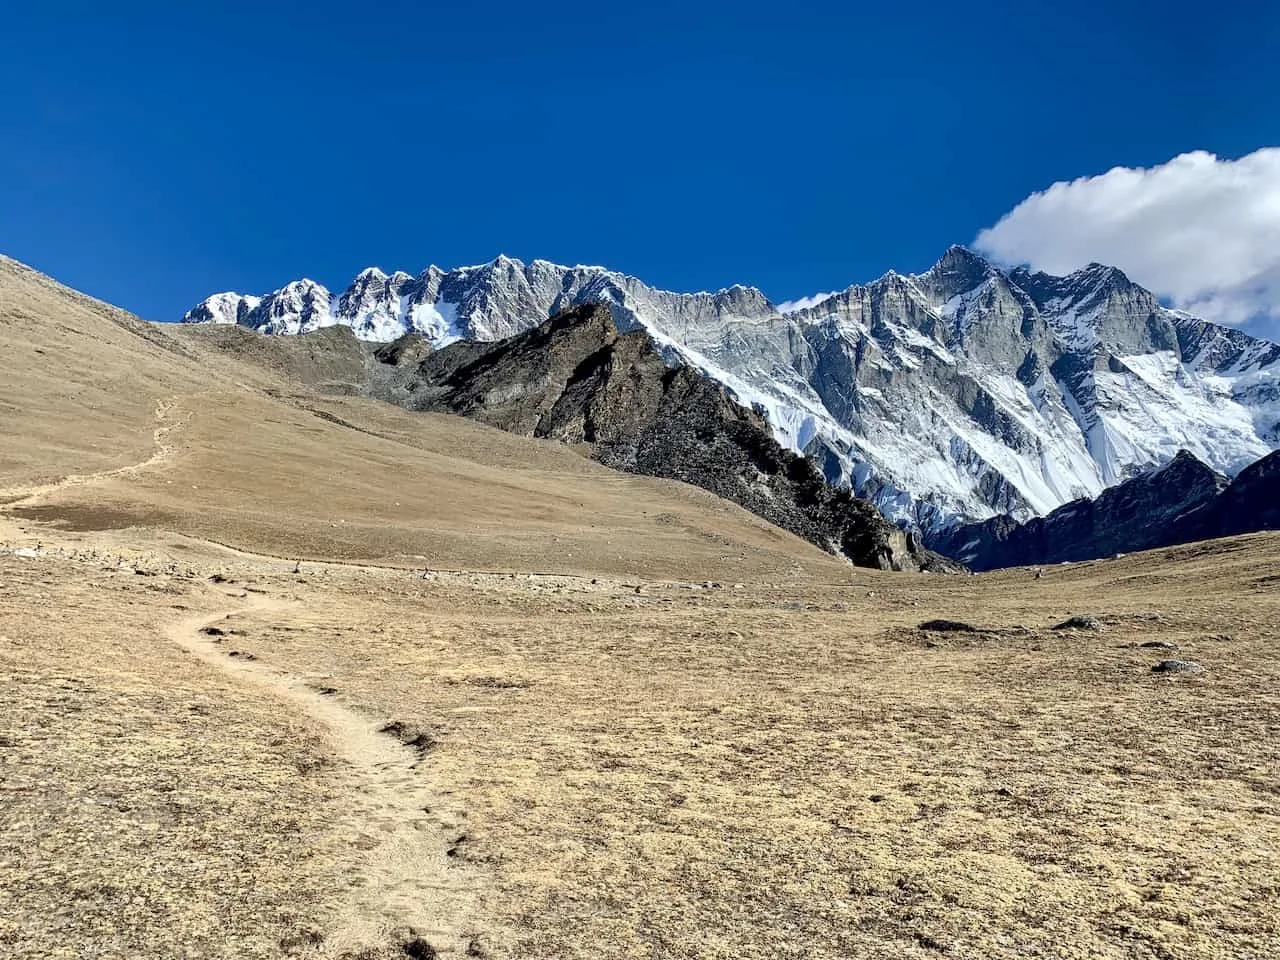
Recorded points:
(1251, 502)
(1181, 502)
(575, 378)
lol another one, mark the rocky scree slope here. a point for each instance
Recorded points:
(577, 379)
(1183, 501)
(948, 396)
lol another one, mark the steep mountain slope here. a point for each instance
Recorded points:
(1251, 503)
(1180, 502)
(956, 394)
(111, 423)
(1137, 514)
(575, 378)
(80, 381)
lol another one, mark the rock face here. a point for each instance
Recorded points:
(577, 379)
(1249, 504)
(949, 396)
(1180, 502)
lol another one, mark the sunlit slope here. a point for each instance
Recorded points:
(111, 422)
(79, 381)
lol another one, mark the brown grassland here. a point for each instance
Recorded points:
(617, 718)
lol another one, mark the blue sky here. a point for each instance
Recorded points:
(151, 154)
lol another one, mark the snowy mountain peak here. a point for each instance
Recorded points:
(222, 308)
(1105, 273)
(959, 258)
(958, 271)
(502, 264)
(949, 395)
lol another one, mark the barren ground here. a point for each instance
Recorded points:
(617, 718)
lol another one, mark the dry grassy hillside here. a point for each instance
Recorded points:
(166, 428)
(208, 752)
(79, 381)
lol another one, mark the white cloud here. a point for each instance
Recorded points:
(1199, 231)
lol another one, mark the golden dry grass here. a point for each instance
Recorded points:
(801, 772)
(235, 454)
(617, 764)
(151, 807)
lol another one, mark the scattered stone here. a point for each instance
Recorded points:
(493, 683)
(413, 738)
(948, 626)
(1078, 623)
(456, 850)
(213, 631)
(297, 942)
(1177, 666)
(1159, 645)
(418, 949)
(929, 942)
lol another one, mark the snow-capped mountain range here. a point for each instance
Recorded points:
(955, 394)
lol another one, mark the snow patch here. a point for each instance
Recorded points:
(805, 303)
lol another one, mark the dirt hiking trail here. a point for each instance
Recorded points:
(404, 886)
(163, 450)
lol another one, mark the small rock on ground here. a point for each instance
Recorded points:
(948, 626)
(1177, 666)
(1078, 623)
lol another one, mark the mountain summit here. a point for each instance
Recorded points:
(952, 395)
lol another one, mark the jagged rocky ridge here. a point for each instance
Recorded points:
(575, 378)
(1183, 501)
(957, 394)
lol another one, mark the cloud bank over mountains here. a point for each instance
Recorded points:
(1201, 231)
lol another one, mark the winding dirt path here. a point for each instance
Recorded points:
(405, 885)
(163, 450)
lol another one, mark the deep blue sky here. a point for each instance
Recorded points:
(151, 154)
